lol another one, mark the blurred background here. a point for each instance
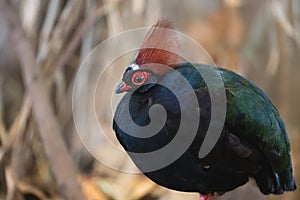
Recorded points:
(42, 44)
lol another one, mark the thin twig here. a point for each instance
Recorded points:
(11, 185)
(50, 18)
(76, 38)
(17, 128)
(114, 19)
(64, 28)
(31, 15)
(88, 37)
(3, 132)
(274, 58)
(60, 161)
(28, 188)
(279, 13)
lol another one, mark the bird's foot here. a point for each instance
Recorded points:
(205, 197)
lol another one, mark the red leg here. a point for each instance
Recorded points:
(205, 197)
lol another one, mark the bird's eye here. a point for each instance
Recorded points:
(139, 78)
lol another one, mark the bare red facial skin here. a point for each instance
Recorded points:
(123, 87)
(126, 88)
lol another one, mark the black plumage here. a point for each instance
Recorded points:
(253, 143)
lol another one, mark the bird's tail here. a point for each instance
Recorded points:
(271, 182)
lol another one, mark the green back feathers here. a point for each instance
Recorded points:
(250, 113)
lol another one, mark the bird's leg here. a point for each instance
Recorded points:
(205, 197)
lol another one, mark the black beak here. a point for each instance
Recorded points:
(122, 87)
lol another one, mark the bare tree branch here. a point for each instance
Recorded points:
(48, 24)
(16, 129)
(76, 38)
(69, 18)
(75, 41)
(60, 161)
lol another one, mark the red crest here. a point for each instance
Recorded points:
(160, 48)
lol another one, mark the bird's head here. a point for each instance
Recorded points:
(134, 77)
(156, 57)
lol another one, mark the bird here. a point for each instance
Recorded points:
(253, 141)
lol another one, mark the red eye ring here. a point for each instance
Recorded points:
(139, 78)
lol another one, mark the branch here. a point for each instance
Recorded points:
(60, 161)
(17, 128)
(76, 38)
(67, 23)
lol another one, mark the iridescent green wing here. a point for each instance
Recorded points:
(251, 115)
